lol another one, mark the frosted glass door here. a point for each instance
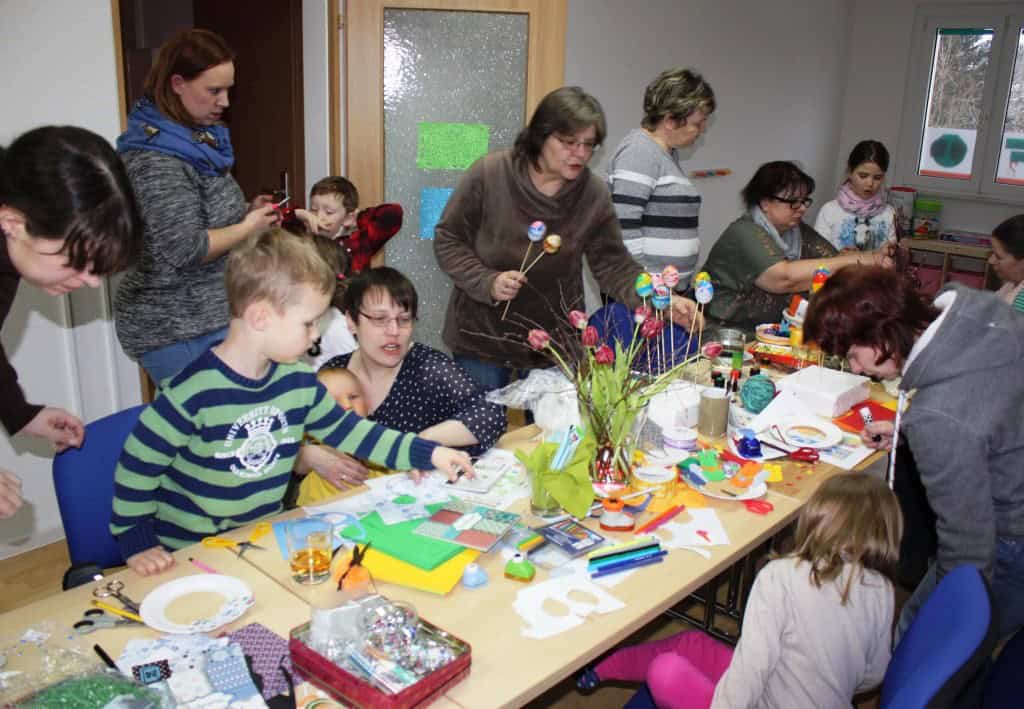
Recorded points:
(454, 87)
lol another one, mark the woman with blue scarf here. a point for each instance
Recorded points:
(172, 306)
(769, 253)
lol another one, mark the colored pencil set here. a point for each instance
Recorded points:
(642, 551)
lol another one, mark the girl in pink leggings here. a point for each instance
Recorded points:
(818, 623)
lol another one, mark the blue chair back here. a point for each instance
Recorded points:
(945, 646)
(1002, 686)
(84, 481)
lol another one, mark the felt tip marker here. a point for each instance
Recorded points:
(201, 566)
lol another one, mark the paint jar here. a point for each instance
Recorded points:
(926, 218)
(713, 418)
(659, 481)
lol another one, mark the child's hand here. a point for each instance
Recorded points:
(311, 220)
(154, 560)
(10, 494)
(451, 462)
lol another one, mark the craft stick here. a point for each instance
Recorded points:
(526, 255)
(534, 262)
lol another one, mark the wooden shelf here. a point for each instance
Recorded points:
(949, 249)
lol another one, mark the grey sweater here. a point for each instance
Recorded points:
(965, 426)
(800, 647)
(657, 205)
(171, 295)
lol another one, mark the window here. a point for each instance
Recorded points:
(963, 122)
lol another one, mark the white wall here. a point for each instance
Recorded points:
(58, 72)
(315, 100)
(777, 75)
(875, 80)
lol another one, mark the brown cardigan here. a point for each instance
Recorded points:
(483, 232)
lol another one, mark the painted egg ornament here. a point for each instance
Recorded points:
(704, 292)
(670, 276)
(662, 298)
(657, 281)
(644, 286)
(702, 277)
(537, 231)
(552, 243)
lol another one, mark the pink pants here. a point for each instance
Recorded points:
(681, 670)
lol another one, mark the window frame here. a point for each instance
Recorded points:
(1005, 21)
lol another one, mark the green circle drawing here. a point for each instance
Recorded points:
(404, 500)
(948, 150)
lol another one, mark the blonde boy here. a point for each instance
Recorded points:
(216, 449)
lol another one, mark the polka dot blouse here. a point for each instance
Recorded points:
(431, 388)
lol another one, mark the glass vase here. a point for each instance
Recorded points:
(542, 504)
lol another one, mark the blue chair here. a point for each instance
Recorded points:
(948, 642)
(84, 481)
(1002, 686)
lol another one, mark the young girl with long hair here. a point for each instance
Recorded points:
(817, 628)
(860, 218)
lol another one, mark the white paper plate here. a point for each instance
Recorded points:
(237, 600)
(753, 492)
(808, 431)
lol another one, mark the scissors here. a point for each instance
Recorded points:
(113, 589)
(801, 453)
(261, 529)
(96, 619)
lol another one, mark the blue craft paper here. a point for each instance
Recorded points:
(432, 204)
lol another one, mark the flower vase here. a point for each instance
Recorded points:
(542, 503)
(613, 461)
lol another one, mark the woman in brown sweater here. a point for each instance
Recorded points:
(68, 218)
(482, 236)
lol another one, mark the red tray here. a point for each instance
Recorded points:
(344, 686)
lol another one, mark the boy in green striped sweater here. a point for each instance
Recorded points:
(215, 449)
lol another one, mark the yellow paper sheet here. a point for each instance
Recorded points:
(441, 580)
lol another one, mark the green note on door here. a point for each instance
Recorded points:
(450, 146)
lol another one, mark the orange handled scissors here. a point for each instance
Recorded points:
(259, 530)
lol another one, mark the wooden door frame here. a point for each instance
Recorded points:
(364, 48)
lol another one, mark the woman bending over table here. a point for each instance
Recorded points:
(406, 386)
(770, 253)
(962, 354)
(1007, 260)
(68, 218)
(482, 238)
(172, 307)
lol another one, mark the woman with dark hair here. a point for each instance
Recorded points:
(657, 205)
(1007, 260)
(68, 218)
(172, 306)
(407, 386)
(482, 238)
(962, 355)
(770, 253)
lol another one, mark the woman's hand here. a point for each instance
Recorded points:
(260, 218)
(154, 560)
(684, 313)
(884, 255)
(507, 284)
(260, 201)
(450, 462)
(878, 435)
(10, 494)
(62, 428)
(337, 468)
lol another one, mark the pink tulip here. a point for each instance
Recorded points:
(538, 339)
(641, 314)
(604, 355)
(651, 327)
(577, 319)
(590, 337)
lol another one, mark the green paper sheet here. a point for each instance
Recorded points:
(399, 541)
(450, 146)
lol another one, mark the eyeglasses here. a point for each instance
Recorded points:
(588, 146)
(795, 203)
(402, 322)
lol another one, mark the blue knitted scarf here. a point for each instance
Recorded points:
(207, 148)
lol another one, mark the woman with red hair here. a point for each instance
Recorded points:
(961, 356)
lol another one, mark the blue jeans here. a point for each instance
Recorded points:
(1007, 590)
(167, 361)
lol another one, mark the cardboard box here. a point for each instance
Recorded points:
(826, 392)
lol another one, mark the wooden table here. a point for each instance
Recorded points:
(508, 669)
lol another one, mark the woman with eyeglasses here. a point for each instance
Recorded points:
(482, 238)
(406, 385)
(770, 253)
